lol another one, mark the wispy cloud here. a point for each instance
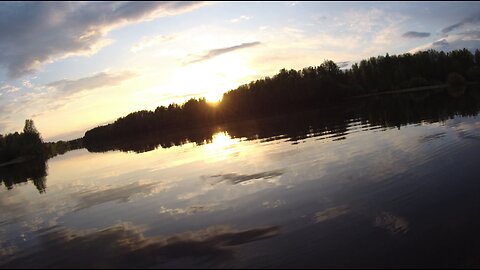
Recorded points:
(377, 28)
(102, 79)
(469, 40)
(343, 64)
(216, 52)
(441, 42)
(414, 34)
(470, 20)
(59, 94)
(41, 99)
(370, 21)
(319, 18)
(7, 88)
(35, 33)
(147, 42)
(239, 19)
(471, 35)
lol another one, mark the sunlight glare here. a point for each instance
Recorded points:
(214, 97)
(212, 78)
(222, 147)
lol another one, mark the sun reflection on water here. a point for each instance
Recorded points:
(222, 147)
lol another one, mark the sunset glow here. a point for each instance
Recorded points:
(69, 77)
(239, 135)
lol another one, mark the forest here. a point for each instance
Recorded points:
(334, 122)
(292, 91)
(28, 145)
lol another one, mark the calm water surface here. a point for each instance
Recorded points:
(368, 196)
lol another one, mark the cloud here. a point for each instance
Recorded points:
(370, 21)
(470, 20)
(362, 33)
(147, 42)
(414, 34)
(216, 52)
(320, 18)
(125, 246)
(239, 19)
(471, 35)
(68, 87)
(7, 88)
(467, 40)
(40, 99)
(35, 33)
(343, 64)
(441, 42)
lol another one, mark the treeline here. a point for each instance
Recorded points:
(334, 122)
(23, 156)
(296, 90)
(26, 145)
(53, 149)
(386, 73)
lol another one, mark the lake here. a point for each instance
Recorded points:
(377, 186)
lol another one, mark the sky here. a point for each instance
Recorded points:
(71, 66)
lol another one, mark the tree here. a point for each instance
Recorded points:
(28, 144)
(30, 127)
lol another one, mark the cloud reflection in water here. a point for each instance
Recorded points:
(125, 246)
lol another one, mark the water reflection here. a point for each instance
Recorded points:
(350, 191)
(331, 213)
(394, 224)
(125, 246)
(332, 123)
(432, 137)
(112, 194)
(190, 210)
(34, 171)
(235, 178)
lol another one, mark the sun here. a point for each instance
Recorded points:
(211, 79)
(214, 97)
